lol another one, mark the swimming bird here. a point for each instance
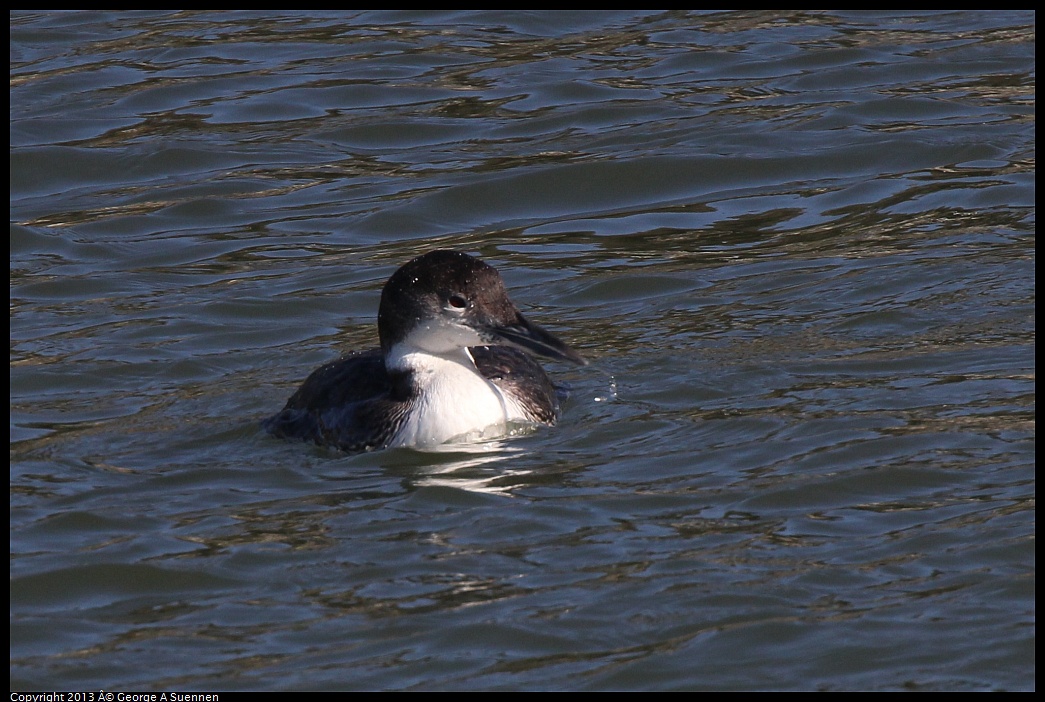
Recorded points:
(454, 365)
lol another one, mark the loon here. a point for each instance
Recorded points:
(451, 366)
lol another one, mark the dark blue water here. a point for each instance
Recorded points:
(797, 246)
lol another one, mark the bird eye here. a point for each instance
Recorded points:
(458, 302)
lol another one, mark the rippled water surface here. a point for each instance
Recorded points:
(797, 246)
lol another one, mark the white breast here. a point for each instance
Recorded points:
(453, 401)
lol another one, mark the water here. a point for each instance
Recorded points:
(798, 247)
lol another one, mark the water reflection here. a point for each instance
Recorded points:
(476, 466)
